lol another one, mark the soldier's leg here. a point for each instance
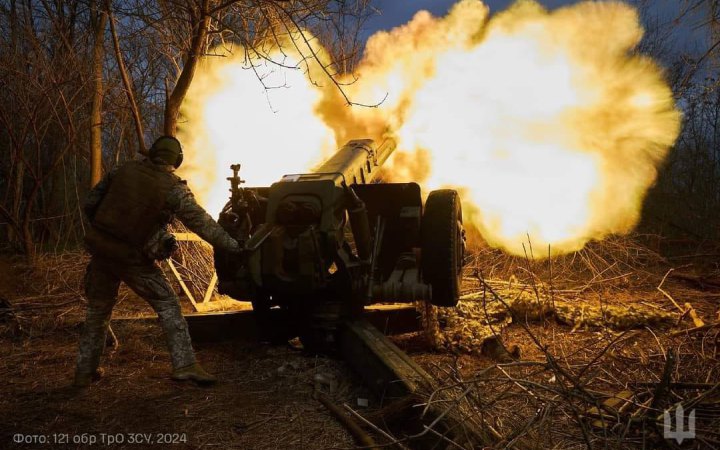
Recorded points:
(149, 282)
(101, 289)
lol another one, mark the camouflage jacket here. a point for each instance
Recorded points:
(180, 203)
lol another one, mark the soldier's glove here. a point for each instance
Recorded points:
(239, 249)
(160, 246)
(169, 244)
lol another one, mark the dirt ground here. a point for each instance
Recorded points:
(265, 397)
(263, 401)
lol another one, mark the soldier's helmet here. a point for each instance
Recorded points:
(167, 151)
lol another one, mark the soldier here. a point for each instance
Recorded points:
(129, 210)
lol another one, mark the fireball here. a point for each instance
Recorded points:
(550, 123)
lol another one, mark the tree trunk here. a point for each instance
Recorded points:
(197, 48)
(715, 31)
(129, 91)
(17, 195)
(98, 20)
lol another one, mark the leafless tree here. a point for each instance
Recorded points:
(71, 109)
(44, 91)
(183, 31)
(687, 195)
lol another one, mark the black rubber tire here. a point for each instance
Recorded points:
(442, 243)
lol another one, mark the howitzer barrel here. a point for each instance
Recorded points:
(359, 160)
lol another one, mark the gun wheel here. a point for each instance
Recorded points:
(443, 246)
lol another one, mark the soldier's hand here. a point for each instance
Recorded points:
(239, 248)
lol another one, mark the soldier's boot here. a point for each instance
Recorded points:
(84, 379)
(194, 372)
(185, 366)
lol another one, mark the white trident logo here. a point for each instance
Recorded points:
(680, 433)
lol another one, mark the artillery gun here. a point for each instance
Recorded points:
(322, 245)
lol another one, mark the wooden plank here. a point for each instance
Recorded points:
(210, 288)
(433, 418)
(226, 325)
(387, 369)
(188, 237)
(182, 283)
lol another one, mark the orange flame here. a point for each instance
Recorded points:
(548, 122)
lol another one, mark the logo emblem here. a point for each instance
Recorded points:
(680, 433)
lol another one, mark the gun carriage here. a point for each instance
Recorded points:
(324, 244)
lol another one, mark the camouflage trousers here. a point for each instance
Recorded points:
(102, 282)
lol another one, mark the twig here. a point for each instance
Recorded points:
(362, 437)
(20, 308)
(695, 329)
(676, 385)
(668, 296)
(662, 386)
(392, 440)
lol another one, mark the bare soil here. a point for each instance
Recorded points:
(265, 399)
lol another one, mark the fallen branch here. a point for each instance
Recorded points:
(358, 433)
(695, 329)
(676, 385)
(378, 430)
(700, 282)
(662, 387)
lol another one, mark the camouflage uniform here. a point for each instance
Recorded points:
(132, 265)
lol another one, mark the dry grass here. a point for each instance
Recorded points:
(540, 350)
(618, 262)
(557, 394)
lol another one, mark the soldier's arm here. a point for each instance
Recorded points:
(97, 193)
(182, 203)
